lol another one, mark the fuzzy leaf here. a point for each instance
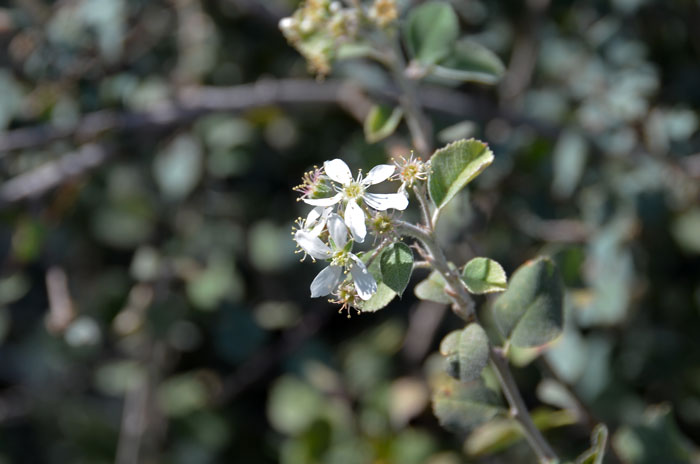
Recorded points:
(430, 31)
(462, 406)
(499, 434)
(396, 263)
(530, 312)
(381, 122)
(470, 62)
(379, 300)
(484, 275)
(454, 166)
(432, 289)
(467, 352)
(382, 297)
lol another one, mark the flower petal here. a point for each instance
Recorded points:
(355, 220)
(338, 231)
(365, 284)
(312, 245)
(326, 281)
(384, 201)
(330, 201)
(322, 219)
(338, 171)
(379, 174)
(313, 216)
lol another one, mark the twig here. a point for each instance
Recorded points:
(464, 307)
(52, 174)
(424, 205)
(192, 102)
(518, 409)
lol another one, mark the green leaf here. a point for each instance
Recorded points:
(396, 264)
(381, 122)
(467, 352)
(599, 440)
(462, 406)
(293, 405)
(430, 31)
(499, 434)
(530, 312)
(178, 168)
(654, 439)
(379, 300)
(484, 275)
(470, 62)
(384, 294)
(454, 166)
(432, 289)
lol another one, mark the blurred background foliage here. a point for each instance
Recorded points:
(152, 308)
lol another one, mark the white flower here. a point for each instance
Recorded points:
(312, 226)
(341, 259)
(352, 191)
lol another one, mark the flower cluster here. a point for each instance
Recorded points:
(342, 209)
(317, 28)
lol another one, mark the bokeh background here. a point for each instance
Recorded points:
(152, 309)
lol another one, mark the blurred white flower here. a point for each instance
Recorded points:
(352, 191)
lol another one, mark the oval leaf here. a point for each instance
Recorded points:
(433, 289)
(381, 122)
(530, 312)
(382, 297)
(430, 31)
(454, 166)
(499, 434)
(462, 406)
(470, 62)
(379, 300)
(396, 264)
(467, 352)
(484, 275)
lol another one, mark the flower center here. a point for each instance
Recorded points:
(340, 258)
(353, 190)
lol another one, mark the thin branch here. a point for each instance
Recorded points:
(52, 174)
(519, 410)
(192, 102)
(464, 307)
(419, 191)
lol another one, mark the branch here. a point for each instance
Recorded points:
(464, 307)
(192, 102)
(52, 174)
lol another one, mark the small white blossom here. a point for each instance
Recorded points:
(312, 226)
(341, 259)
(352, 191)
